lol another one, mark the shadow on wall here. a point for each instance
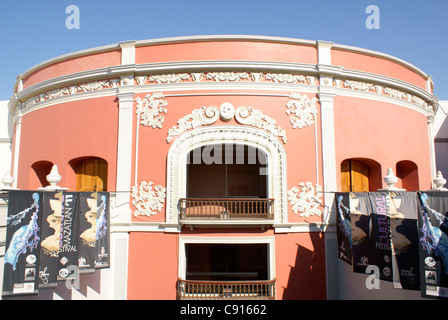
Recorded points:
(62, 291)
(307, 277)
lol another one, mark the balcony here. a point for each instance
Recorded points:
(226, 210)
(226, 290)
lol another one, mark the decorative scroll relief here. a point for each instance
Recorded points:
(150, 109)
(146, 200)
(211, 114)
(382, 90)
(302, 110)
(198, 118)
(228, 77)
(307, 200)
(256, 118)
(77, 88)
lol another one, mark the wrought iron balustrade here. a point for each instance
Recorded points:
(226, 290)
(226, 209)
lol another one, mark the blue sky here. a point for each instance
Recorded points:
(33, 31)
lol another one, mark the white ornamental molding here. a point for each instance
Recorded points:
(227, 76)
(302, 110)
(73, 89)
(243, 115)
(223, 77)
(146, 200)
(256, 118)
(168, 78)
(384, 91)
(198, 118)
(307, 199)
(150, 110)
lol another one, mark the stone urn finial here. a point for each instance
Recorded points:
(439, 182)
(390, 179)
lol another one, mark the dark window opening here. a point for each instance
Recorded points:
(226, 262)
(227, 170)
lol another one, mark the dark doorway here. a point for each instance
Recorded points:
(227, 262)
(225, 171)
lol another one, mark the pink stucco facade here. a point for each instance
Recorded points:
(309, 113)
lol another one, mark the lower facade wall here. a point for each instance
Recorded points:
(155, 260)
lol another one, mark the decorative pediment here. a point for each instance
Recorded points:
(243, 115)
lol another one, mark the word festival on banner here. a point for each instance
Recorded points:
(54, 236)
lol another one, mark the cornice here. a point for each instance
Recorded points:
(219, 38)
(216, 75)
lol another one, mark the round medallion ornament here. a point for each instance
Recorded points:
(227, 111)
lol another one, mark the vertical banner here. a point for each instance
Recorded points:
(87, 236)
(404, 208)
(22, 243)
(380, 202)
(343, 229)
(433, 231)
(102, 257)
(51, 234)
(362, 250)
(68, 247)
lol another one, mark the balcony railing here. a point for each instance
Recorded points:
(226, 290)
(226, 209)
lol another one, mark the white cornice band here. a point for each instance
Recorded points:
(103, 82)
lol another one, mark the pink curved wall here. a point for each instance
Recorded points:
(58, 134)
(378, 65)
(225, 50)
(73, 65)
(382, 132)
(300, 147)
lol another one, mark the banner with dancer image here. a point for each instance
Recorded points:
(102, 244)
(69, 242)
(87, 235)
(362, 248)
(380, 202)
(51, 234)
(433, 229)
(404, 208)
(343, 226)
(22, 243)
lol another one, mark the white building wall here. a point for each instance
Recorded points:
(5, 141)
(441, 138)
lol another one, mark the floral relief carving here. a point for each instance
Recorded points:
(227, 76)
(82, 87)
(306, 199)
(169, 78)
(146, 200)
(150, 110)
(302, 110)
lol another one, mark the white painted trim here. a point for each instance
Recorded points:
(119, 265)
(269, 240)
(127, 52)
(270, 144)
(326, 99)
(328, 71)
(124, 150)
(324, 52)
(17, 137)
